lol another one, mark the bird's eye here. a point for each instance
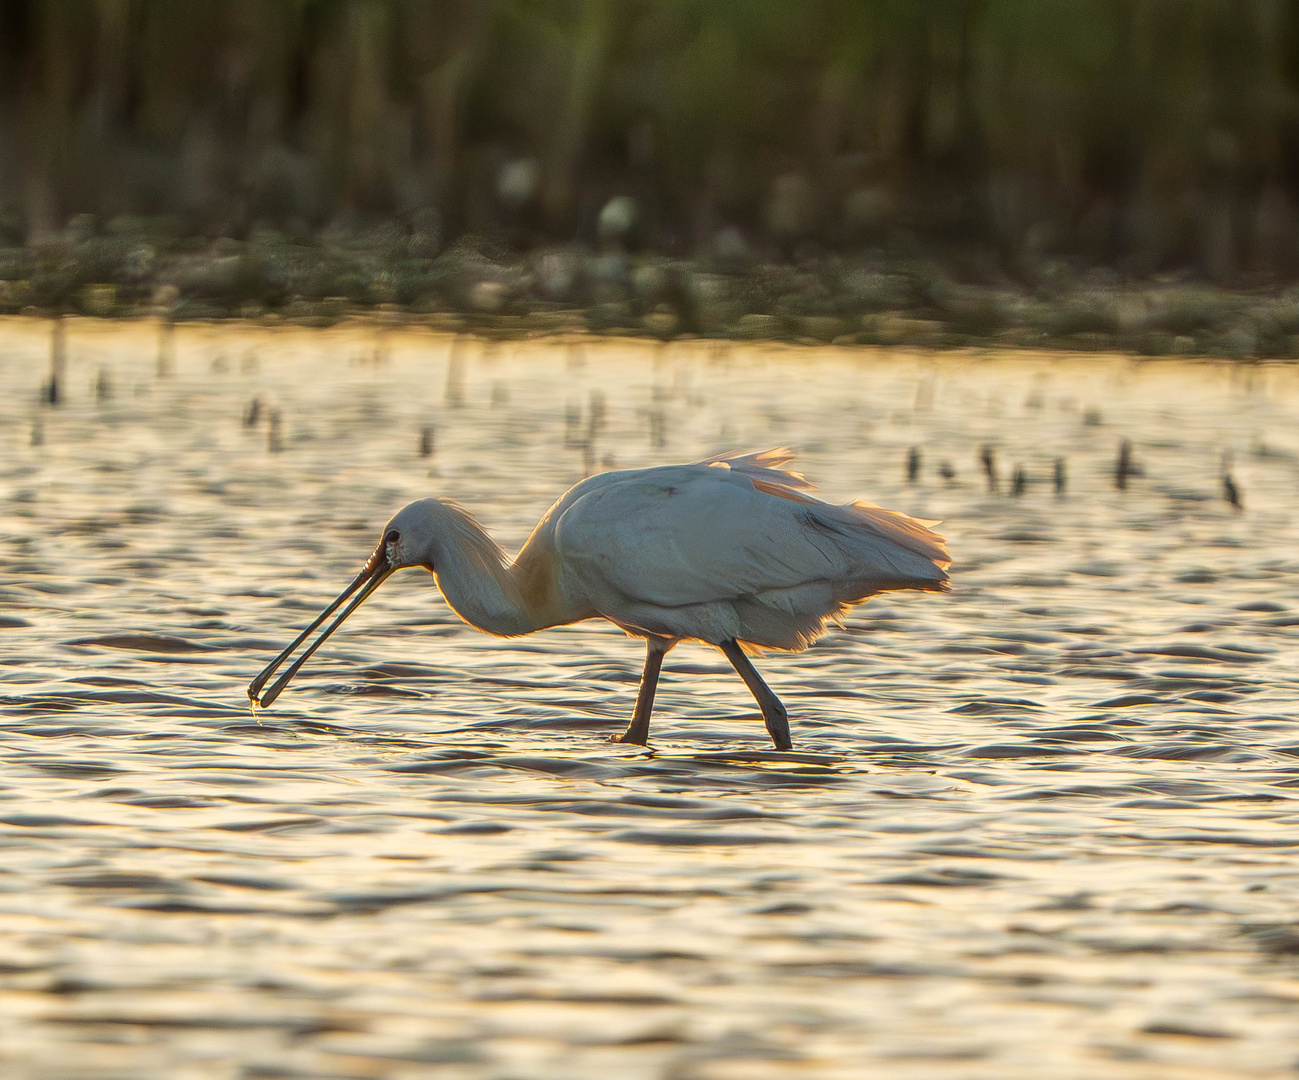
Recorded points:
(392, 537)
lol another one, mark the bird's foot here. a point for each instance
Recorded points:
(777, 723)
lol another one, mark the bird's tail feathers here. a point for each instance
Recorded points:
(914, 534)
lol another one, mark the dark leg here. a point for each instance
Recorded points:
(638, 730)
(773, 712)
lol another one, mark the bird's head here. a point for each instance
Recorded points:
(411, 538)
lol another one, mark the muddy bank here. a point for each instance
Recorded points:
(132, 269)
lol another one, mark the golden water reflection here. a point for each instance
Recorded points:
(1039, 827)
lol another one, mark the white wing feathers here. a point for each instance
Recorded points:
(740, 531)
(764, 470)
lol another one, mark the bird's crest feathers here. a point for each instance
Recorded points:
(482, 550)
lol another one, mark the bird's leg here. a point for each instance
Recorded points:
(773, 712)
(638, 730)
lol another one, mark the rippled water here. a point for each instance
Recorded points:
(1040, 827)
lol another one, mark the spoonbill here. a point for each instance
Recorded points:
(730, 550)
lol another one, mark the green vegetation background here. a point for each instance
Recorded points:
(1153, 131)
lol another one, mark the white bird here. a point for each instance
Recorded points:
(730, 550)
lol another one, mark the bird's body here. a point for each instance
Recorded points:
(731, 551)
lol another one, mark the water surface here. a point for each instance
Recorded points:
(1039, 827)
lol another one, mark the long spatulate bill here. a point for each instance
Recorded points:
(372, 575)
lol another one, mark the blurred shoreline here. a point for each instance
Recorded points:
(876, 298)
(1085, 175)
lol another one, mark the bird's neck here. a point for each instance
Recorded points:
(501, 599)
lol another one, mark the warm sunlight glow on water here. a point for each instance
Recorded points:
(1038, 828)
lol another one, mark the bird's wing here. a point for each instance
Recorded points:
(765, 471)
(692, 534)
(764, 468)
